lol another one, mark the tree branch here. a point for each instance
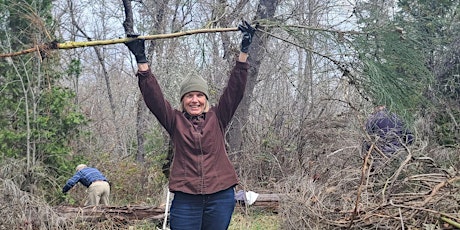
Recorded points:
(72, 44)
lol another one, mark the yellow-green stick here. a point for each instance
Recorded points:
(72, 44)
(451, 222)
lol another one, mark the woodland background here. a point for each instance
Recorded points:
(317, 70)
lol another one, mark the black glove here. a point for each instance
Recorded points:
(137, 47)
(248, 32)
(66, 189)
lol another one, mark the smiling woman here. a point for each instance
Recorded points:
(202, 177)
(194, 103)
(194, 96)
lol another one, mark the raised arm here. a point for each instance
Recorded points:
(248, 32)
(148, 84)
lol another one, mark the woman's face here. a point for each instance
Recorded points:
(194, 103)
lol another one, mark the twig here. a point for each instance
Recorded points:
(401, 217)
(433, 177)
(309, 49)
(420, 209)
(443, 215)
(436, 189)
(339, 150)
(363, 176)
(396, 174)
(451, 222)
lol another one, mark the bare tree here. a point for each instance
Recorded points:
(265, 11)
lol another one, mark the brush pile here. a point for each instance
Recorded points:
(407, 191)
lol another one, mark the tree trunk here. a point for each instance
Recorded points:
(140, 129)
(265, 10)
(121, 150)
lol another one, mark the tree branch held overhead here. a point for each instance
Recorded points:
(72, 44)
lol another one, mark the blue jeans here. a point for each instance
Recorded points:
(202, 212)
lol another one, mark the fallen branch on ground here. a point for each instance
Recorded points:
(98, 213)
(269, 202)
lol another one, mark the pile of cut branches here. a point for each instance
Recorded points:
(405, 192)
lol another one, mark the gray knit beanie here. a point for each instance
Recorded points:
(194, 83)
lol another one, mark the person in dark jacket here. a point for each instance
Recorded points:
(202, 177)
(94, 180)
(387, 131)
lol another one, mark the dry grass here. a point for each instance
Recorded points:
(21, 210)
(254, 221)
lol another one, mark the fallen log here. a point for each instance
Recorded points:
(122, 213)
(268, 202)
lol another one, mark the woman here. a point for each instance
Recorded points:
(202, 177)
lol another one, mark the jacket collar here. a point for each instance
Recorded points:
(190, 117)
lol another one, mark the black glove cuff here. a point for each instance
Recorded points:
(245, 49)
(141, 59)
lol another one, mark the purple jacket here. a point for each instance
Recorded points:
(389, 131)
(200, 164)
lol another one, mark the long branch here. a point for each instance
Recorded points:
(73, 44)
(360, 186)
